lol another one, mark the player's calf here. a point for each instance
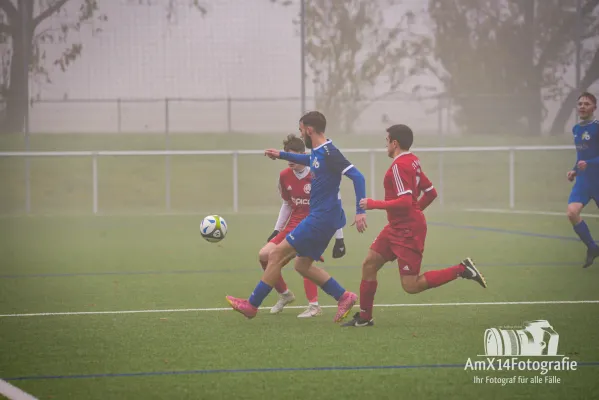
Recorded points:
(413, 284)
(582, 230)
(466, 269)
(573, 213)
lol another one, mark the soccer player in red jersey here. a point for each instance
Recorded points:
(294, 188)
(404, 236)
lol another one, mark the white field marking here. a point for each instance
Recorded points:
(496, 303)
(526, 212)
(140, 214)
(14, 393)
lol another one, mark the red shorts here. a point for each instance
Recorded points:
(406, 244)
(283, 234)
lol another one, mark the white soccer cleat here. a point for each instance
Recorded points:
(284, 299)
(312, 311)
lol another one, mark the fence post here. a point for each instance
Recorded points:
(119, 117)
(235, 182)
(372, 175)
(95, 182)
(440, 157)
(27, 185)
(167, 160)
(512, 178)
(229, 116)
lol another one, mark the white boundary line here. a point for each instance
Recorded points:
(14, 393)
(498, 303)
(525, 212)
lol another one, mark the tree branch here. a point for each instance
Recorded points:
(47, 12)
(562, 34)
(10, 10)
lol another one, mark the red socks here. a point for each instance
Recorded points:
(281, 286)
(367, 292)
(442, 276)
(311, 291)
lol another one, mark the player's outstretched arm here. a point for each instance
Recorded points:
(303, 159)
(402, 202)
(402, 188)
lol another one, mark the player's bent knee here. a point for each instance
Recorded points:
(573, 212)
(410, 284)
(373, 262)
(263, 255)
(281, 254)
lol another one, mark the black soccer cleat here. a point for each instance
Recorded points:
(339, 248)
(471, 272)
(591, 255)
(358, 322)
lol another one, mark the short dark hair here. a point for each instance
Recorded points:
(590, 96)
(316, 120)
(403, 134)
(294, 143)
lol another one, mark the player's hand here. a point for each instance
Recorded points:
(582, 165)
(339, 248)
(273, 154)
(364, 204)
(571, 175)
(360, 222)
(271, 237)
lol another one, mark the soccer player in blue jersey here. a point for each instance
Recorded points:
(310, 238)
(585, 172)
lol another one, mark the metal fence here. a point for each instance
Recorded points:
(222, 115)
(467, 179)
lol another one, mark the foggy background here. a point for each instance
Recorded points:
(232, 65)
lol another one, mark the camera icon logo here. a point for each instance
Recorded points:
(537, 338)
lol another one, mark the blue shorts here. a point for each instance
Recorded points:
(312, 236)
(583, 191)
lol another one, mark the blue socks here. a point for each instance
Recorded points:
(582, 230)
(259, 294)
(333, 289)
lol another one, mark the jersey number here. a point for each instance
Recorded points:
(416, 166)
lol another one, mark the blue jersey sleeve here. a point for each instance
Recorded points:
(337, 162)
(303, 159)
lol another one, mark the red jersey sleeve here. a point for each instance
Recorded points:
(425, 185)
(428, 192)
(282, 190)
(401, 181)
(401, 184)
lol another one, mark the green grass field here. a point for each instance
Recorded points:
(133, 267)
(130, 304)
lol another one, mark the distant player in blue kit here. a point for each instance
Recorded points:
(310, 238)
(586, 172)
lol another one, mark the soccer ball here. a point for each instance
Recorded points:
(213, 228)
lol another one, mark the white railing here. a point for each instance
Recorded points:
(235, 153)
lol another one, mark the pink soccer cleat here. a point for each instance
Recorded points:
(344, 305)
(242, 306)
